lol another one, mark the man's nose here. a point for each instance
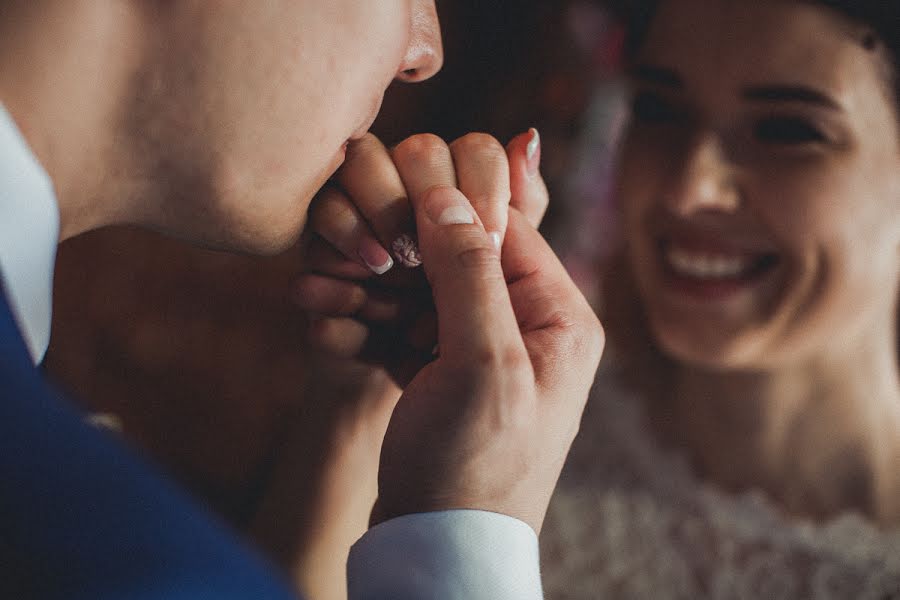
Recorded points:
(705, 181)
(425, 53)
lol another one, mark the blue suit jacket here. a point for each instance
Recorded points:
(82, 517)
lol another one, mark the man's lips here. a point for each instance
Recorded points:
(367, 123)
(360, 133)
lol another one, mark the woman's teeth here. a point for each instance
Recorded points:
(701, 265)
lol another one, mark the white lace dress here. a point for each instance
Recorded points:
(631, 521)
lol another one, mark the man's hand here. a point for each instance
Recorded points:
(489, 423)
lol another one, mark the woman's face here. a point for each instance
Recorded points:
(760, 182)
(247, 106)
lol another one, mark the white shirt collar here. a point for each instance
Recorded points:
(29, 232)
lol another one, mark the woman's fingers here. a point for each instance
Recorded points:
(529, 191)
(373, 344)
(336, 218)
(322, 258)
(324, 295)
(358, 221)
(340, 337)
(368, 216)
(370, 178)
(482, 173)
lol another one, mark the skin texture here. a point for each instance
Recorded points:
(175, 126)
(830, 209)
(387, 319)
(791, 383)
(215, 123)
(369, 204)
(425, 171)
(219, 122)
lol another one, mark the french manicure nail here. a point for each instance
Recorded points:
(533, 152)
(495, 239)
(375, 257)
(456, 215)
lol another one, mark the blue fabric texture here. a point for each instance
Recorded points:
(83, 517)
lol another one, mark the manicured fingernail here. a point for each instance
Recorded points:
(375, 257)
(495, 239)
(448, 206)
(407, 251)
(533, 152)
(455, 215)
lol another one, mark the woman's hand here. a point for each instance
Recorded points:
(318, 496)
(367, 298)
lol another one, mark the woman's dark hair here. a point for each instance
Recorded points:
(880, 17)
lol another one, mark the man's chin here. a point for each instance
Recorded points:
(275, 240)
(259, 239)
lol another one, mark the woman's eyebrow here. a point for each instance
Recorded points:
(652, 74)
(662, 76)
(790, 93)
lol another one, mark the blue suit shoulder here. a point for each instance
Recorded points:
(82, 516)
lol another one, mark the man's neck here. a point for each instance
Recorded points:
(820, 437)
(63, 69)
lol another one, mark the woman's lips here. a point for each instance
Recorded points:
(707, 270)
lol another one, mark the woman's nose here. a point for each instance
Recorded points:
(705, 181)
(425, 53)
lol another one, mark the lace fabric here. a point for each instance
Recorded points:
(631, 521)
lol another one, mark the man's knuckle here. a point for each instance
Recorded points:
(510, 360)
(489, 199)
(597, 337)
(585, 338)
(515, 360)
(477, 257)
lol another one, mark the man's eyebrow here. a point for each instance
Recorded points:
(790, 93)
(653, 74)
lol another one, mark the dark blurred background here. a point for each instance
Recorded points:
(201, 356)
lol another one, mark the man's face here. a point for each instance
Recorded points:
(245, 108)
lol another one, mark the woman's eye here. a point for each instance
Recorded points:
(651, 108)
(784, 130)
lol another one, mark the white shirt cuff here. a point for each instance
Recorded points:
(447, 555)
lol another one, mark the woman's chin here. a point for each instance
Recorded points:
(708, 346)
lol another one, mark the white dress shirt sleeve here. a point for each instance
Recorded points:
(447, 555)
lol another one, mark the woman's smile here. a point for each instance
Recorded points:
(710, 270)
